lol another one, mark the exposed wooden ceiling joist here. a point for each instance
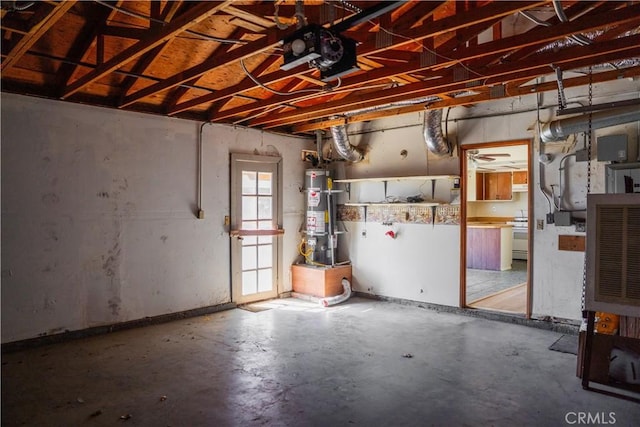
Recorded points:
(157, 36)
(611, 50)
(370, 47)
(168, 58)
(533, 37)
(35, 33)
(469, 100)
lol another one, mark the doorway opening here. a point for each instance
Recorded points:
(495, 227)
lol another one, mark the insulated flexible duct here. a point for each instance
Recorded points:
(432, 131)
(558, 130)
(342, 145)
(345, 295)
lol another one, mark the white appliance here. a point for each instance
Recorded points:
(520, 226)
(613, 271)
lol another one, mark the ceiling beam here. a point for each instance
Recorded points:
(468, 100)
(620, 48)
(86, 39)
(169, 12)
(178, 92)
(464, 54)
(430, 29)
(256, 72)
(270, 40)
(158, 36)
(34, 34)
(571, 12)
(453, 87)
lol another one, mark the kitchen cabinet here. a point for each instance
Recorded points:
(493, 186)
(520, 177)
(520, 180)
(489, 247)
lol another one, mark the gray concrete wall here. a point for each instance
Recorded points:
(99, 214)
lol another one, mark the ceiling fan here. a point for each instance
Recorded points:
(475, 155)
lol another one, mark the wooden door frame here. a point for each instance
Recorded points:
(464, 164)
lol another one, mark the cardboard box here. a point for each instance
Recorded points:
(319, 282)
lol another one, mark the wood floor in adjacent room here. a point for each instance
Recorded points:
(510, 300)
(363, 362)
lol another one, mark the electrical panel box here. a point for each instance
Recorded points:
(612, 148)
(562, 218)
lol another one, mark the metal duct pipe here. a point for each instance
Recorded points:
(423, 100)
(342, 145)
(432, 131)
(559, 129)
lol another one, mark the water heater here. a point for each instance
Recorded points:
(320, 220)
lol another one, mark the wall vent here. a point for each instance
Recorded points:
(613, 253)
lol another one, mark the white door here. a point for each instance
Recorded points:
(255, 226)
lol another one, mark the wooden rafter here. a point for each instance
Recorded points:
(256, 72)
(533, 37)
(369, 46)
(572, 11)
(452, 87)
(34, 34)
(157, 37)
(269, 41)
(98, 54)
(82, 44)
(169, 12)
(468, 100)
(620, 48)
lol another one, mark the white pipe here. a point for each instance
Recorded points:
(326, 302)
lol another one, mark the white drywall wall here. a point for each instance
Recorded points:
(99, 214)
(422, 263)
(397, 268)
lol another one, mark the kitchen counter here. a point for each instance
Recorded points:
(489, 246)
(487, 225)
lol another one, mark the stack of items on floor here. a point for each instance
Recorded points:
(616, 351)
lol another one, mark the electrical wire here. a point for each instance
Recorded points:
(305, 98)
(419, 43)
(159, 21)
(244, 68)
(120, 72)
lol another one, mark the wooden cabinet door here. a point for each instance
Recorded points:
(480, 194)
(504, 186)
(497, 186)
(491, 186)
(520, 177)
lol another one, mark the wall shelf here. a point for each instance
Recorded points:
(385, 204)
(386, 180)
(397, 178)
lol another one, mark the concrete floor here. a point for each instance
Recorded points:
(300, 365)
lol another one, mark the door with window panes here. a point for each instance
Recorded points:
(255, 226)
